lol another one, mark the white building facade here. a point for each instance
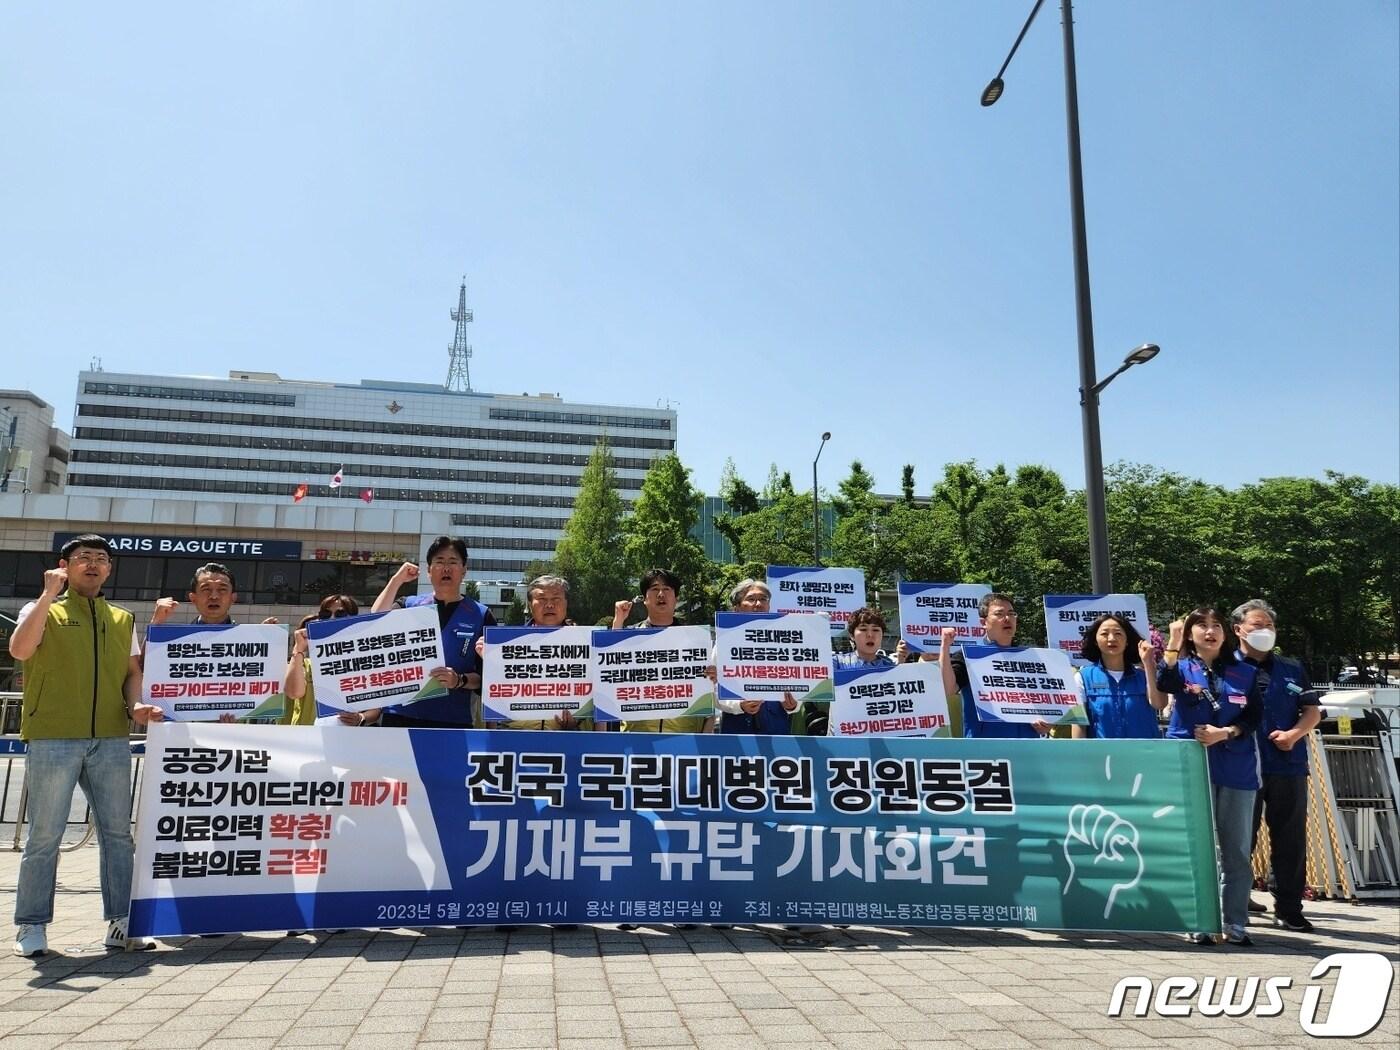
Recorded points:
(503, 469)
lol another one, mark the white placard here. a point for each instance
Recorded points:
(1024, 684)
(762, 656)
(838, 592)
(926, 608)
(652, 672)
(1067, 616)
(199, 671)
(885, 700)
(536, 672)
(361, 662)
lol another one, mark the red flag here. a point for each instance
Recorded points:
(367, 495)
(339, 477)
(299, 493)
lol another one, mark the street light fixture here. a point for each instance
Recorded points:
(1100, 567)
(816, 508)
(1143, 354)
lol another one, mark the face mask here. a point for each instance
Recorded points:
(1261, 640)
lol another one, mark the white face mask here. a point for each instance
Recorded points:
(1261, 640)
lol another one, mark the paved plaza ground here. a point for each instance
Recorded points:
(598, 988)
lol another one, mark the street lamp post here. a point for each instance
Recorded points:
(1100, 566)
(816, 507)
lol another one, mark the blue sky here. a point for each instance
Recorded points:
(783, 218)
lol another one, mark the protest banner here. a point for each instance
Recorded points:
(883, 700)
(360, 662)
(837, 592)
(1024, 684)
(243, 829)
(652, 672)
(926, 608)
(536, 672)
(763, 656)
(1067, 616)
(199, 671)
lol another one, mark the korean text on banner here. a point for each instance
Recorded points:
(1023, 684)
(837, 592)
(360, 662)
(1068, 616)
(199, 671)
(903, 700)
(243, 829)
(762, 656)
(536, 672)
(926, 608)
(657, 672)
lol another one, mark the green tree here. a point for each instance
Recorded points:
(590, 553)
(515, 614)
(906, 485)
(739, 496)
(779, 533)
(657, 535)
(859, 540)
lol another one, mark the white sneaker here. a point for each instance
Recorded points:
(31, 941)
(117, 938)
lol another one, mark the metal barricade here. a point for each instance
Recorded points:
(14, 791)
(1362, 789)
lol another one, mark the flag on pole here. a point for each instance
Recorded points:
(339, 477)
(367, 495)
(299, 493)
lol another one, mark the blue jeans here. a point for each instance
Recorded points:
(1234, 827)
(102, 768)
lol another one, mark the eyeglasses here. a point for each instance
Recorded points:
(336, 615)
(91, 559)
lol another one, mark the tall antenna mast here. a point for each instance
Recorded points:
(459, 378)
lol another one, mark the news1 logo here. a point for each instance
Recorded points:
(1359, 996)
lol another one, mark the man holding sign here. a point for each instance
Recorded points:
(462, 621)
(998, 615)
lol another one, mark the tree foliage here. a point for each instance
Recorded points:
(590, 552)
(658, 534)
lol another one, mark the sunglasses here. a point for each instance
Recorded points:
(333, 615)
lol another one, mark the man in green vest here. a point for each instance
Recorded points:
(82, 688)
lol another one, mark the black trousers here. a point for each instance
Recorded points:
(1283, 804)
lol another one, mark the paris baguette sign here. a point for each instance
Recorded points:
(193, 546)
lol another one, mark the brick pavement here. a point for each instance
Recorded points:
(596, 988)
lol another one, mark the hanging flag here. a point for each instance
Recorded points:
(339, 477)
(299, 493)
(367, 495)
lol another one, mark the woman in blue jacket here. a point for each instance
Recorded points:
(1119, 682)
(1217, 702)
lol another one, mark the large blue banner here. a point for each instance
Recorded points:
(248, 828)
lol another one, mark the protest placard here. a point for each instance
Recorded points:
(652, 672)
(837, 592)
(1067, 616)
(199, 671)
(926, 608)
(1024, 684)
(885, 700)
(244, 829)
(536, 672)
(762, 656)
(368, 661)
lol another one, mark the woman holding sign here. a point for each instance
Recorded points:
(1119, 682)
(1218, 703)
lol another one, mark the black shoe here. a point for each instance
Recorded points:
(686, 925)
(1239, 940)
(1296, 923)
(628, 926)
(1255, 908)
(1205, 940)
